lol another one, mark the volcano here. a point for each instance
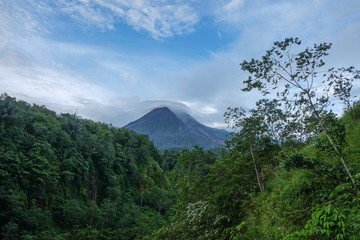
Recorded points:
(176, 131)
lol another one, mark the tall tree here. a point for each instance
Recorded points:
(302, 82)
(257, 129)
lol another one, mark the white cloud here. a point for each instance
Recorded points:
(115, 88)
(40, 83)
(216, 125)
(20, 19)
(88, 13)
(208, 110)
(160, 19)
(124, 72)
(233, 5)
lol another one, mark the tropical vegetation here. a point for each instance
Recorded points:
(291, 170)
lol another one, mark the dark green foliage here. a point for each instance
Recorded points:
(189, 175)
(170, 159)
(336, 220)
(280, 176)
(305, 196)
(62, 177)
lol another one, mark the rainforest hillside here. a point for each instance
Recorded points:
(290, 172)
(63, 177)
(270, 191)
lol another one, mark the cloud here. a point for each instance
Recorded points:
(23, 18)
(87, 12)
(217, 81)
(125, 73)
(120, 86)
(161, 19)
(233, 5)
(40, 83)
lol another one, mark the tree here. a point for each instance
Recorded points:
(64, 177)
(250, 132)
(7, 107)
(264, 126)
(189, 174)
(302, 83)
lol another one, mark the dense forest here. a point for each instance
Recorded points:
(63, 177)
(291, 170)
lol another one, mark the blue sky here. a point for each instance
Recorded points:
(114, 60)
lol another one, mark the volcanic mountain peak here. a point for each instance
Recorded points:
(179, 130)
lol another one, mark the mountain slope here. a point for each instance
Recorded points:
(177, 131)
(63, 177)
(216, 135)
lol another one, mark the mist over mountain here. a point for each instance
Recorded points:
(177, 130)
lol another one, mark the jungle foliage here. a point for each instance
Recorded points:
(290, 172)
(63, 177)
(306, 192)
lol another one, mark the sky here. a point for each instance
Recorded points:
(115, 60)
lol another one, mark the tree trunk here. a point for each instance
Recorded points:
(93, 200)
(261, 187)
(329, 138)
